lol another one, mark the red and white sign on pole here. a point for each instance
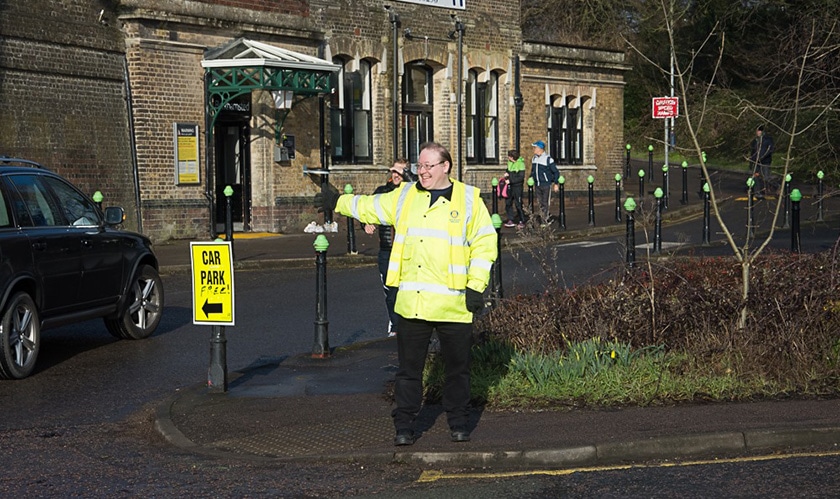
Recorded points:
(666, 107)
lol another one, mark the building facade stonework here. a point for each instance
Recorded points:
(97, 95)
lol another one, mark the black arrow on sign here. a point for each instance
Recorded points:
(211, 308)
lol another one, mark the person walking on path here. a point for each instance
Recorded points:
(515, 177)
(761, 156)
(397, 174)
(545, 175)
(444, 248)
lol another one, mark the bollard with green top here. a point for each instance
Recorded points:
(617, 198)
(650, 162)
(684, 199)
(496, 292)
(627, 162)
(321, 347)
(494, 194)
(750, 222)
(630, 241)
(820, 176)
(351, 227)
(665, 187)
(97, 198)
(707, 218)
(657, 227)
(561, 182)
(641, 183)
(591, 180)
(531, 194)
(228, 192)
(795, 242)
(786, 191)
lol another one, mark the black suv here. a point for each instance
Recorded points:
(64, 260)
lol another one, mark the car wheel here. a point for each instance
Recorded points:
(20, 337)
(143, 308)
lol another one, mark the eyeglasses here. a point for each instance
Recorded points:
(427, 167)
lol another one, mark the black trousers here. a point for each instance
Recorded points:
(514, 202)
(412, 349)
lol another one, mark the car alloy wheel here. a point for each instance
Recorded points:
(20, 337)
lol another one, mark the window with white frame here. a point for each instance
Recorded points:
(350, 112)
(482, 118)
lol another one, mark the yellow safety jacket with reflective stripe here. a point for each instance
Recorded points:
(438, 250)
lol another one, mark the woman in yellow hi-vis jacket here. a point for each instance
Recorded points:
(444, 247)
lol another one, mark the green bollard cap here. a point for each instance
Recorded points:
(321, 243)
(530, 181)
(750, 182)
(628, 146)
(618, 177)
(348, 189)
(228, 191)
(788, 177)
(650, 148)
(561, 180)
(795, 196)
(685, 164)
(97, 197)
(494, 181)
(641, 173)
(703, 153)
(664, 168)
(497, 220)
(657, 193)
(706, 187)
(630, 204)
(820, 174)
(218, 240)
(590, 179)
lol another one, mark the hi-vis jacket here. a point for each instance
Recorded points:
(438, 250)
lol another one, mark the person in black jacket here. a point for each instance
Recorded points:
(761, 155)
(397, 173)
(545, 174)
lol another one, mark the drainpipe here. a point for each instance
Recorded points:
(459, 27)
(517, 102)
(208, 154)
(394, 18)
(133, 141)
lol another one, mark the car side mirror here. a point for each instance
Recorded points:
(114, 215)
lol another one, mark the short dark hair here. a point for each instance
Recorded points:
(513, 153)
(759, 128)
(442, 152)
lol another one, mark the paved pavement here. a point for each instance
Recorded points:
(301, 408)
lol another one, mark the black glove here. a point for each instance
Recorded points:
(475, 300)
(327, 198)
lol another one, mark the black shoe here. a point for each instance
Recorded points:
(404, 437)
(460, 435)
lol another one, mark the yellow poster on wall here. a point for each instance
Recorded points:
(186, 153)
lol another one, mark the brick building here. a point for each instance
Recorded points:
(161, 105)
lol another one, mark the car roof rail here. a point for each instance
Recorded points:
(9, 161)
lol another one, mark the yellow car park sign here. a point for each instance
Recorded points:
(212, 279)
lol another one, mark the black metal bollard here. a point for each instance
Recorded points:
(657, 226)
(618, 198)
(707, 218)
(321, 348)
(217, 372)
(229, 219)
(561, 181)
(496, 291)
(750, 185)
(795, 242)
(650, 162)
(641, 183)
(494, 183)
(590, 180)
(351, 227)
(787, 201)
(531, 194)
(627, 162)
(630, 206)
(665, 187)
(684, 199)
(820, 176)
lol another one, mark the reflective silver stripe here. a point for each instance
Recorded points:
(422, 232)
(481, 263)
(485, 231)
(377, 206)
(457, 269)
(457, 241)
(431, 288)
(401, 200)
(399, 238)
(469, 200)
(395, 266)
(354, 207)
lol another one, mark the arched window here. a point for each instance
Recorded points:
(350, 113)
(482, 110)
(417, 109)
(565, 132)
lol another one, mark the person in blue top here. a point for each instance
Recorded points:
(545, 175)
